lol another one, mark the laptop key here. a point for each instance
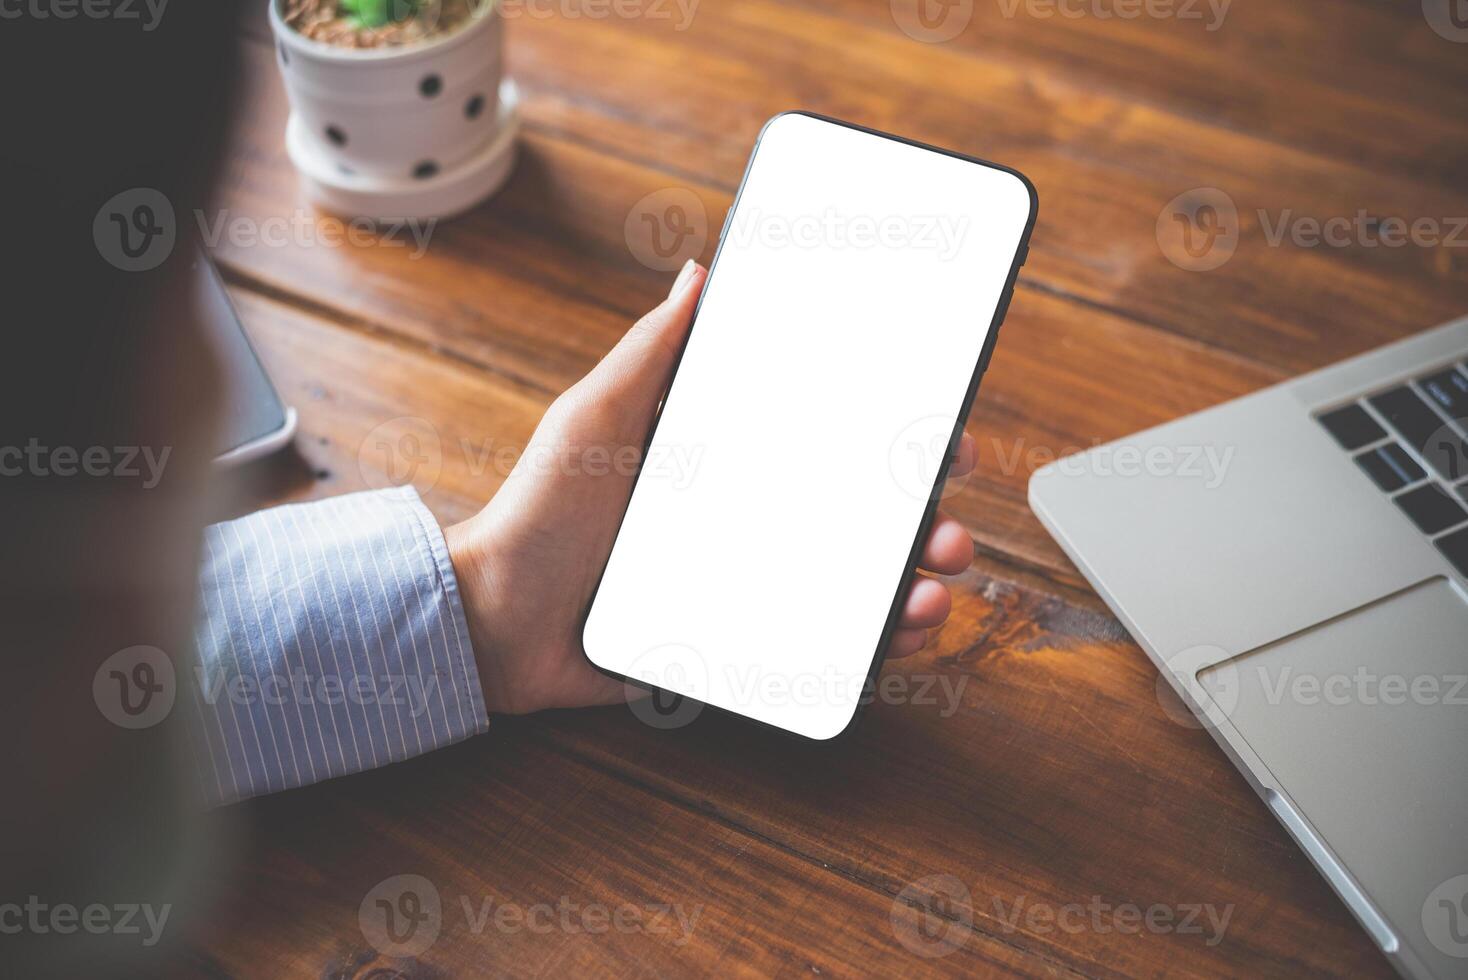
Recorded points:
(1390, 467)
(1455, 548)
(1432, 508)
(1450, 390)
(1424, 430)
(1352, 427)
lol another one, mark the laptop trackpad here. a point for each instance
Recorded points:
(1363, 720)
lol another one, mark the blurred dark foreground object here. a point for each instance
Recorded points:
(104, 850)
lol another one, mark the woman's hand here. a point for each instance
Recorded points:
(528, 562)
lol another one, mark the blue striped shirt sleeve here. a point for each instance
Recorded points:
(330, 639)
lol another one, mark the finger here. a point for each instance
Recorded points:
(637, 368)
(963, 462)
(905, 643)
(928, 604)
(949, 548)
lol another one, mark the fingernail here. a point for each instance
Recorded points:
(684, 274)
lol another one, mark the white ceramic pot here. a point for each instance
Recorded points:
(385, 116)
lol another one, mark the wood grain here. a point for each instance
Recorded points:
(1027, 755)
(1105, 169)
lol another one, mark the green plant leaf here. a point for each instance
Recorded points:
(376, 13)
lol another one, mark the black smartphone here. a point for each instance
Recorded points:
(798, 457)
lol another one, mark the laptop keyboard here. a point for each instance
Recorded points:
(1412, 441)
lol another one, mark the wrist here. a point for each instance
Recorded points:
(474, 571)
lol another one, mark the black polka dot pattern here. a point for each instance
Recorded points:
(430, 86)
(425, 170)
(336, 136)
(474, 106)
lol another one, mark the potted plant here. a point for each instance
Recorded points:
(399, 108)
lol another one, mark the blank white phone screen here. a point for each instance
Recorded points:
(804, 429)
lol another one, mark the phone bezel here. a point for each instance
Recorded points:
(935, 493)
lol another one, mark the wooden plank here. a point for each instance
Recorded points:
(1027, 755)
(1372, 82)
(1035, 405)
(538, 276)
(510, 836)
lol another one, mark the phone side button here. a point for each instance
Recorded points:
(994, 330)
(1004, 306)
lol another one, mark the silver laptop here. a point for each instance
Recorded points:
(1295, 563)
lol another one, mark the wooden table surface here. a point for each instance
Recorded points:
(1042, 780)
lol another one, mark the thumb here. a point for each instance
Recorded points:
(636, 371)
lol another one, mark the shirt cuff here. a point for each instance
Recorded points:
(331, 639)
